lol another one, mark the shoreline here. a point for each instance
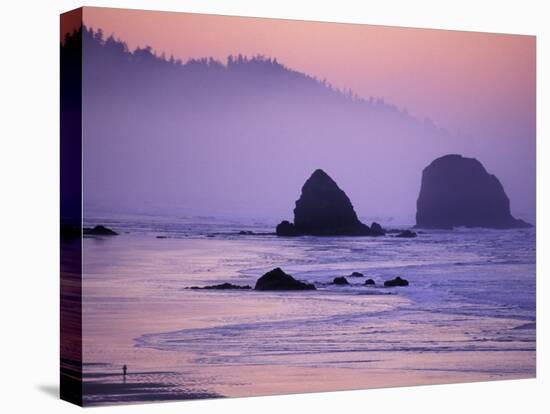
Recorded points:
(134, 286)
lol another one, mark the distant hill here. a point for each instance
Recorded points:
(239, 137)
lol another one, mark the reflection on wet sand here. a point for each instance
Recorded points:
(180, 343)
(107, 387)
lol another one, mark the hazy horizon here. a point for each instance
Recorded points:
(376, 159)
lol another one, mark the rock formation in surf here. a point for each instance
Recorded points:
(340, 280)
(396, 282)
(99, 231)
(277, 279)
(323, 209)
(222, 286)
(406, 234)
(458, 191)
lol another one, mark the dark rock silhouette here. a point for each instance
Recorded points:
(277, 279)
(287, 229)
(369, 282)
(99, 231)
(223, 286)
(396, 282)
(377, 230)
(357, 274)
(458, 191)
(406, 234)
(341, 280)
(323, 209)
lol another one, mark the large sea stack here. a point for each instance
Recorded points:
(323, 209)
(458, 191)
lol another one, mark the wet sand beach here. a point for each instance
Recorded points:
(184, 344)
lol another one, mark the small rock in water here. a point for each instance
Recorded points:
(377, 230)
(246, 233)
(406, 234)
(369, 282)
(223, 286)
(396, 282)
(99, 231)
(286, 229)
(357, 274)
(277, 279)
(341, 280)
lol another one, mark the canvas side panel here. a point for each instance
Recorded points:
(71, 206)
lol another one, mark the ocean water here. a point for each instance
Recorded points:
(467, 315)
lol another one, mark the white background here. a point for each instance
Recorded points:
(29, 174)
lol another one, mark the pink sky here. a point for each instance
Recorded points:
(480, 84)
(461, 80)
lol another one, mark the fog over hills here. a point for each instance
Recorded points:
(239, 138)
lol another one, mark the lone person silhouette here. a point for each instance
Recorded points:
(124, 371)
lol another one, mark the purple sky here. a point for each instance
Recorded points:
(479, 85)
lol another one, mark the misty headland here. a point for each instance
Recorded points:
(155, 115)
(194, 164)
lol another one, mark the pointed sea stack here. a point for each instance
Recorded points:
(323, 209)
(458, 191)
